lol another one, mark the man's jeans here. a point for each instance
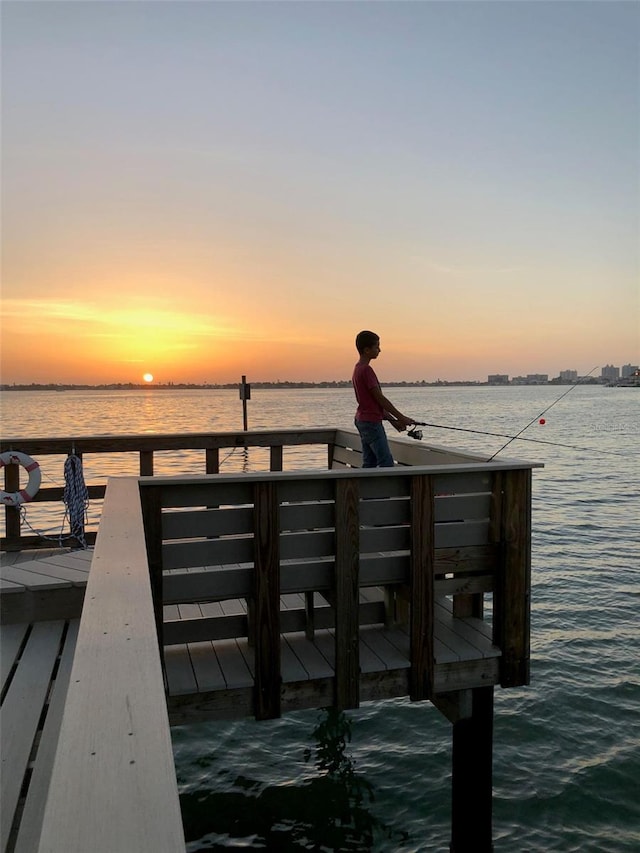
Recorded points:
(375, 447)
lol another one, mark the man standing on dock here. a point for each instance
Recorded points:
(373, 406)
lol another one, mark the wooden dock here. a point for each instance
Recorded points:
(220, 596)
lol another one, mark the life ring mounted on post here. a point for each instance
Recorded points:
(14, 457)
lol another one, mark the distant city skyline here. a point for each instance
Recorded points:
(607, 373)
(198, 190)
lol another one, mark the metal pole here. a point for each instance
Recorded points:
(245, 394)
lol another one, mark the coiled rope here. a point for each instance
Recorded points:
(75, 497)
(76, 500)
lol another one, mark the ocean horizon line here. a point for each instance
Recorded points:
(275, 385)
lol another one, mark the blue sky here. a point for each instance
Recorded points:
(217, 188)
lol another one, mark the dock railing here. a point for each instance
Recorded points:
(142, 450)
(280, 447)
(445, 533)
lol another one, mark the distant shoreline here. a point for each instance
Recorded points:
(344, 383)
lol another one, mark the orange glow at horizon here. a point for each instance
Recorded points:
(187, 340)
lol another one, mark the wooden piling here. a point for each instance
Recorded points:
(472, 777)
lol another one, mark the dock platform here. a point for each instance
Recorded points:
(231, 595)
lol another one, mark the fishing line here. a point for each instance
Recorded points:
(544, 411)
(417, 433)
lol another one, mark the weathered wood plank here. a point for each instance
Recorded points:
(308, 653)
(113, 785)
(346, 457)
(55, 572)
(206, 667)
(21, 712)
(233, 664)
(31, 819)
(78, 560)
(389, 654)
(228, 521)
(11, 640)
(178, 670)
(32, 580)
(167, 441)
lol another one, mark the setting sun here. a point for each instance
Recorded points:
(148, 377)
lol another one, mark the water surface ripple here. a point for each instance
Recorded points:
(566, 748)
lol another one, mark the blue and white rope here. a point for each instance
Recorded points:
(76, 500)
(75, 497)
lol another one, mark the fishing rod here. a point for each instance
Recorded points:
(417, 434)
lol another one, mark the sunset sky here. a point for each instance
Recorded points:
(201, 190)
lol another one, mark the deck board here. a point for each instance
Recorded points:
(178, 670)
(234, 667)
(57, 571)
(33, 812)
(223, 665)
(71, 559)
(21, 713)
(11, 639)
(31, 580)
(206, 667)
(43, 584)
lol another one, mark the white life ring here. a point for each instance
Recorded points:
(14, 457)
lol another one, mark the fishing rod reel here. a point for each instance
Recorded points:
(414, 432)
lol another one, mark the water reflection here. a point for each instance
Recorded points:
(329, 812)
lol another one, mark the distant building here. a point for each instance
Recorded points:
(628, 370)
(569, 375)
(498, 379)
(610, 373)
(531, 379)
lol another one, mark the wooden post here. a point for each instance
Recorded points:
(347, 589)
(275, 460)
(245, 394)
(12, 513)
(422, 594)
(472, 777)
(146, 463)
(266, 601)
(212, 460)
(151, 500)
(511, 621)
(331, 447)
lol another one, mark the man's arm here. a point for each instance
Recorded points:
(399, 421)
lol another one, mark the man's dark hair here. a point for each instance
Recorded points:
(366, 339)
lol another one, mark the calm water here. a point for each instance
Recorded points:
(566, 749)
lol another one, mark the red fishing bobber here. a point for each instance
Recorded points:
(542, 422)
